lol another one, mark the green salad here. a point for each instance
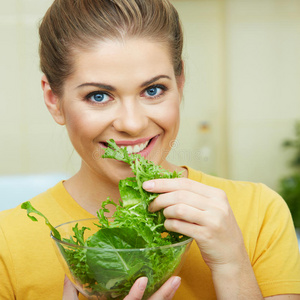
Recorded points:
(101, 269)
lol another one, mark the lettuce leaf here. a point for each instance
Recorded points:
(30, 209)
(105, 265)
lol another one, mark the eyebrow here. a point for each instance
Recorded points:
(98, 85)
(111, 88)
(148, 82)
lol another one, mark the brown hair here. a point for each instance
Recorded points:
(72, 25)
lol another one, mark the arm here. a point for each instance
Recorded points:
(236, 281)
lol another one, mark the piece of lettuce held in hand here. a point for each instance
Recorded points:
(133, 210)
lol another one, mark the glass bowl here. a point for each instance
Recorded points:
(109, 273)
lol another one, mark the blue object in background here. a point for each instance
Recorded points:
(15, 189)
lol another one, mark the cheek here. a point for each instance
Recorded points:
(82, 125)
(169, 117)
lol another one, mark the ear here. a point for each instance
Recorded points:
(52, 102)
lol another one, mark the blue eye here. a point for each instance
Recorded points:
(99, 97)
(154, 91)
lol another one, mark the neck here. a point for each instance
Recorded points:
(89, 190)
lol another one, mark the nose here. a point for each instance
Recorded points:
(131, 118)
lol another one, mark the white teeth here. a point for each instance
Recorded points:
(129, 149)
(136, 148)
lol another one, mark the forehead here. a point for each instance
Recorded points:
(135, 59)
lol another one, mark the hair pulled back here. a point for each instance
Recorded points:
(74, 25)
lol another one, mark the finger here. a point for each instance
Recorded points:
(168, 289)
(195, 223)
(192, 230)
(137, 290)
(175, 184)
(70, 293)
(186, 213)
(177, 197)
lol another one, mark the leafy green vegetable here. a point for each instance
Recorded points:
(30, 209)
(114, 264)
(102, 266)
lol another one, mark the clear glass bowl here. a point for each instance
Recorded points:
(109, 273)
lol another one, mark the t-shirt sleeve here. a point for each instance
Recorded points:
(6, 270)
(276, 261)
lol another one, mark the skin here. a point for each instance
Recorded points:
(125, 72)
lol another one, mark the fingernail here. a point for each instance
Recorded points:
(176, 282)
(143, 283)
(148, 185)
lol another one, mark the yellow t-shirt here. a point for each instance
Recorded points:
(29, 268)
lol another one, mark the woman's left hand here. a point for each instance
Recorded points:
(69, 293)
(203, 213)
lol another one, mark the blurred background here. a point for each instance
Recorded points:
(242, 95)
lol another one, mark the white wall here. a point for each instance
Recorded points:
(30, 141)
(263, 79)
(243, 70)
(204, 97)
(243, 73)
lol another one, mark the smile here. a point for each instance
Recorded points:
(141, 146)
(136, 148)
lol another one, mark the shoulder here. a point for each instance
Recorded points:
(26, 245)
(15, 222)
(249, 190)
(16, 228)
(17, 231)
(16, 214)
(250, 201)
(252, 190)
(55, 203)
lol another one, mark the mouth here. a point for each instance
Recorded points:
(141, 146)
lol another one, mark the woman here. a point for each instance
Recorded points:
(113, 69)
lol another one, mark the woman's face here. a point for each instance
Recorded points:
(126, 91)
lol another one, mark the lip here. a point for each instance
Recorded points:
(130, 143)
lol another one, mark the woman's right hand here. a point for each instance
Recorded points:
(166, 292)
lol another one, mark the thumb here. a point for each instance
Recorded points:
(70, 293)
